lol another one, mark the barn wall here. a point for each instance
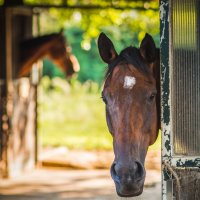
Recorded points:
(17, 142)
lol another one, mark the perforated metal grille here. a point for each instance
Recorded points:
(185, 64)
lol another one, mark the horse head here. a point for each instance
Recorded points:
(131, 94)
(54, 46)
(60, 53)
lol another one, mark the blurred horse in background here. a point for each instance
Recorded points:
(54, 46)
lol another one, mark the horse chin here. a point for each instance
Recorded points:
(133, 190)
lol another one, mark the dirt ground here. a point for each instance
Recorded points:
(61, 156)
(82, 182)
(63, 184)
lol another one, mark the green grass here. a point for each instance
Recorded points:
(73, 116)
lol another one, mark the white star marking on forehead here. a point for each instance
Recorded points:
(129, 82)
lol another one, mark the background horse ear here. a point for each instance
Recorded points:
(106, 48)
(148, 49)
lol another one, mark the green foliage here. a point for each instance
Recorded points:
(54, 2)
(92, 67)
(82, 27)
(51, 70)
(132, 22)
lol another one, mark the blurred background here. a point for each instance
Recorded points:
(71, 128)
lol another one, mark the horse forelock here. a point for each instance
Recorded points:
(129, 55)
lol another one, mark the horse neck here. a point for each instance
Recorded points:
(36, 48)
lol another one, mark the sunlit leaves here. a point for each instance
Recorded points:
(93, 21)
(82, 26)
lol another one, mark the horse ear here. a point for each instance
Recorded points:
(148, 49)
(106, 48)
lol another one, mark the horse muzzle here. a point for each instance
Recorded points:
(129, 179)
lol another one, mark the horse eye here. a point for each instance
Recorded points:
(152, 96)
(103, 98)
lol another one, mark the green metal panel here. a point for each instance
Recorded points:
(179, 98)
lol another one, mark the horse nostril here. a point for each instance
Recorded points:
(139, 169)
(127, 175)
(113, 172)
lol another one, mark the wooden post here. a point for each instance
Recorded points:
(4, 123)
(9, 38)
(35, 80)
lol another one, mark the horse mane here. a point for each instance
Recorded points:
(30, 45)
(32, 42)
(129, 55)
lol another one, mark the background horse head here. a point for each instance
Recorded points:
(53, 46)
(132, 108)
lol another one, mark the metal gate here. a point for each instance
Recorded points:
(180, 84)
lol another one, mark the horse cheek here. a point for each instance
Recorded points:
(154, 129)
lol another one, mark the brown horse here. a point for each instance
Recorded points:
(53, 46)
(132, 108)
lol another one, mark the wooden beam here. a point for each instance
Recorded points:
(92, 7)
(13, 3)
